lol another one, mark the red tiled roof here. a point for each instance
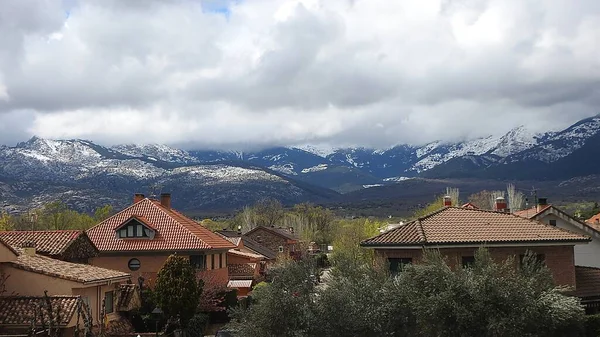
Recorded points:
(454, 225)
(76, 272)
(174, 231)
(46, 242)
(587, 280)
(21, 310)
(531, 212)
(469, 205)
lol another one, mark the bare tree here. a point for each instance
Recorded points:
(454, 194)
(268, 212)
(516, 199)
(248, 222)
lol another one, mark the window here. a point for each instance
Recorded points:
(552, 223)
(198, 261)
(220, 260)
(108, 302)
(134, 264)
(212, 261)
(398, 265)
(135, 229)
(281, 249)
(467, 261)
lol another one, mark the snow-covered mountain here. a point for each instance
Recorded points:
(88, 175)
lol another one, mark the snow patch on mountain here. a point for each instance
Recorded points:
(317, 168)
(285, 169)
(516, 140)
(319, 150)
(438, 153)
(155, 152)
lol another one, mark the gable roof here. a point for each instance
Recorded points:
(21, 310)
(469, 205)
(52, 243)
(248, 243)
(281, 232)
(174, 231)
(455, 225)
(532, 213)
(82, 273)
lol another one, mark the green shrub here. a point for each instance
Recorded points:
(592, 325)
(197, 325)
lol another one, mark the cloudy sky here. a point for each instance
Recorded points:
(238, 73)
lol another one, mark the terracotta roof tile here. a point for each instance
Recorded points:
(81, 273)
(20, 310)
(245, 253)
(46, 242)
(454, 225)
(531, 212)
(587, 280)
(174, 231)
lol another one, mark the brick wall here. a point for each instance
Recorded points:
(559, 259)
(271, 241)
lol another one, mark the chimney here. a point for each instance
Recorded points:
(165, 200)
(138, 197)
(447, 201)
(501, 204)
(542, 202)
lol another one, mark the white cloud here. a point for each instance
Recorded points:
(270, 72)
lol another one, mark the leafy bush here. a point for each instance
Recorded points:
(197, 325)
(592, 325)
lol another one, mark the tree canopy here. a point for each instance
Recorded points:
(177, 290)
(427, 299)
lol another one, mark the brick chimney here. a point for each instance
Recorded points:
(138, 197)
(447, 201)
(165, 200)
(501, 205)
(542, 202)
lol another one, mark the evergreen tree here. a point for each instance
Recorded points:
(177, 291)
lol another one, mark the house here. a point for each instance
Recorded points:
(28, 276)
(140, 238)
(246, 262)
(458, 232)
(277, 239)
(67, 245)
(585, 255)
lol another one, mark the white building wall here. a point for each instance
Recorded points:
(587, 255)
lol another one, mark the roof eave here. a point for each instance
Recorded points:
(474, 244)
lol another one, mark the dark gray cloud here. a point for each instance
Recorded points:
(232, 73)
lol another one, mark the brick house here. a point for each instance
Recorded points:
(140, 238)
(280, 240)
(66, 245)
(246, 262)
(459, 232)
(27, 276)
